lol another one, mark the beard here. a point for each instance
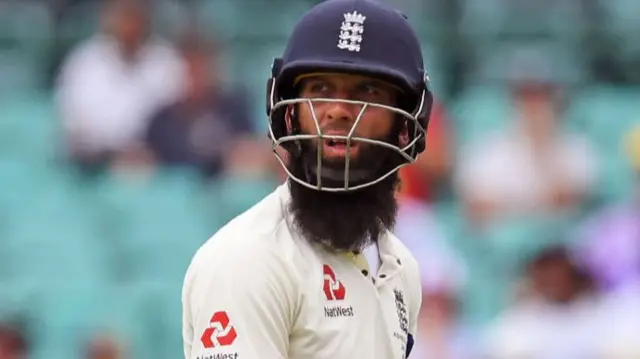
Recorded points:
(349, 220)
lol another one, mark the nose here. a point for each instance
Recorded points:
(340, 112)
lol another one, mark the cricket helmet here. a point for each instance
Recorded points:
(361, 37)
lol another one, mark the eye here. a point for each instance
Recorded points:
(374, 92)
(369, 90)
(318, 87)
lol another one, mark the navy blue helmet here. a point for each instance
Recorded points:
(361, 37)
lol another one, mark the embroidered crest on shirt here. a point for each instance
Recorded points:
(351, 32)
(403, 319)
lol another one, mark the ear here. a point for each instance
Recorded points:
(288, 119)
(403, 139)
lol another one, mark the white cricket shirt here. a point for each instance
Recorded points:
(257, 290)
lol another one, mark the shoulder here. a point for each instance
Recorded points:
(410, 277)
(255, 240)
(158, 46)
(410, 268)
(87, 52)
(248, 234)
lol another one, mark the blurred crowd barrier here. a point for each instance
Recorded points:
(131, 131)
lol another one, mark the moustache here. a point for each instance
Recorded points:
(337, 129)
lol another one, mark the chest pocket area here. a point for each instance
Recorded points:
(328, 322)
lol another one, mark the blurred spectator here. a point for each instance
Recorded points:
(13, 342)
(104, 347)
(111, 84)
(554, 316)
(532, 168)
(443, 275)
(442, 333)
(620, 322)
(610, 240)
(209, 124)
(425, 178)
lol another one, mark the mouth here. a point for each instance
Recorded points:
(338, 147)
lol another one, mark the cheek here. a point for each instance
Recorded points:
(305, 118)
(376, 124)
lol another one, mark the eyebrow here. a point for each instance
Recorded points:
(365, 81)
(376, 83)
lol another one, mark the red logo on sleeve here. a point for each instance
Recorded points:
(220, 333)
(333, 289)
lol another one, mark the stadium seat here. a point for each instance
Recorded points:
(16, 299)
(482, 19)
(240, 19)
(27, 27)
(26, 32)
(438, 78)
(277, 25)
(491, 19)
(235, 195)
(170, 320)
(253, 60)
(622, 16)
(29, 130)
(169, 18)
(158, 225)
(478, 111)
(496, 60)
(497, 255)
(67, 316)
(39, 194)
(607, 115)
(218, 17)
(53, 239)
(80, 22)
(19, 72)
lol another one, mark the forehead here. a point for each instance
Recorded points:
(128, 9)
(340, 79)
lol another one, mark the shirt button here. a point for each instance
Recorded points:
(365, 273)
(383, 276)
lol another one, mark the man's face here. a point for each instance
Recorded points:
(537, 110)
(338, 118)
(129, 24)
(103, 348)
(554, 280)
(346, 220)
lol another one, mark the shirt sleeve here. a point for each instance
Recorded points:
(239, 306)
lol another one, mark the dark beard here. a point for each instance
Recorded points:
(346, 221)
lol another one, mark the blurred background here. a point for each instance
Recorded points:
(130, 131)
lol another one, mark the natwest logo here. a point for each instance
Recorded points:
(333, 288)
(220, 333)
